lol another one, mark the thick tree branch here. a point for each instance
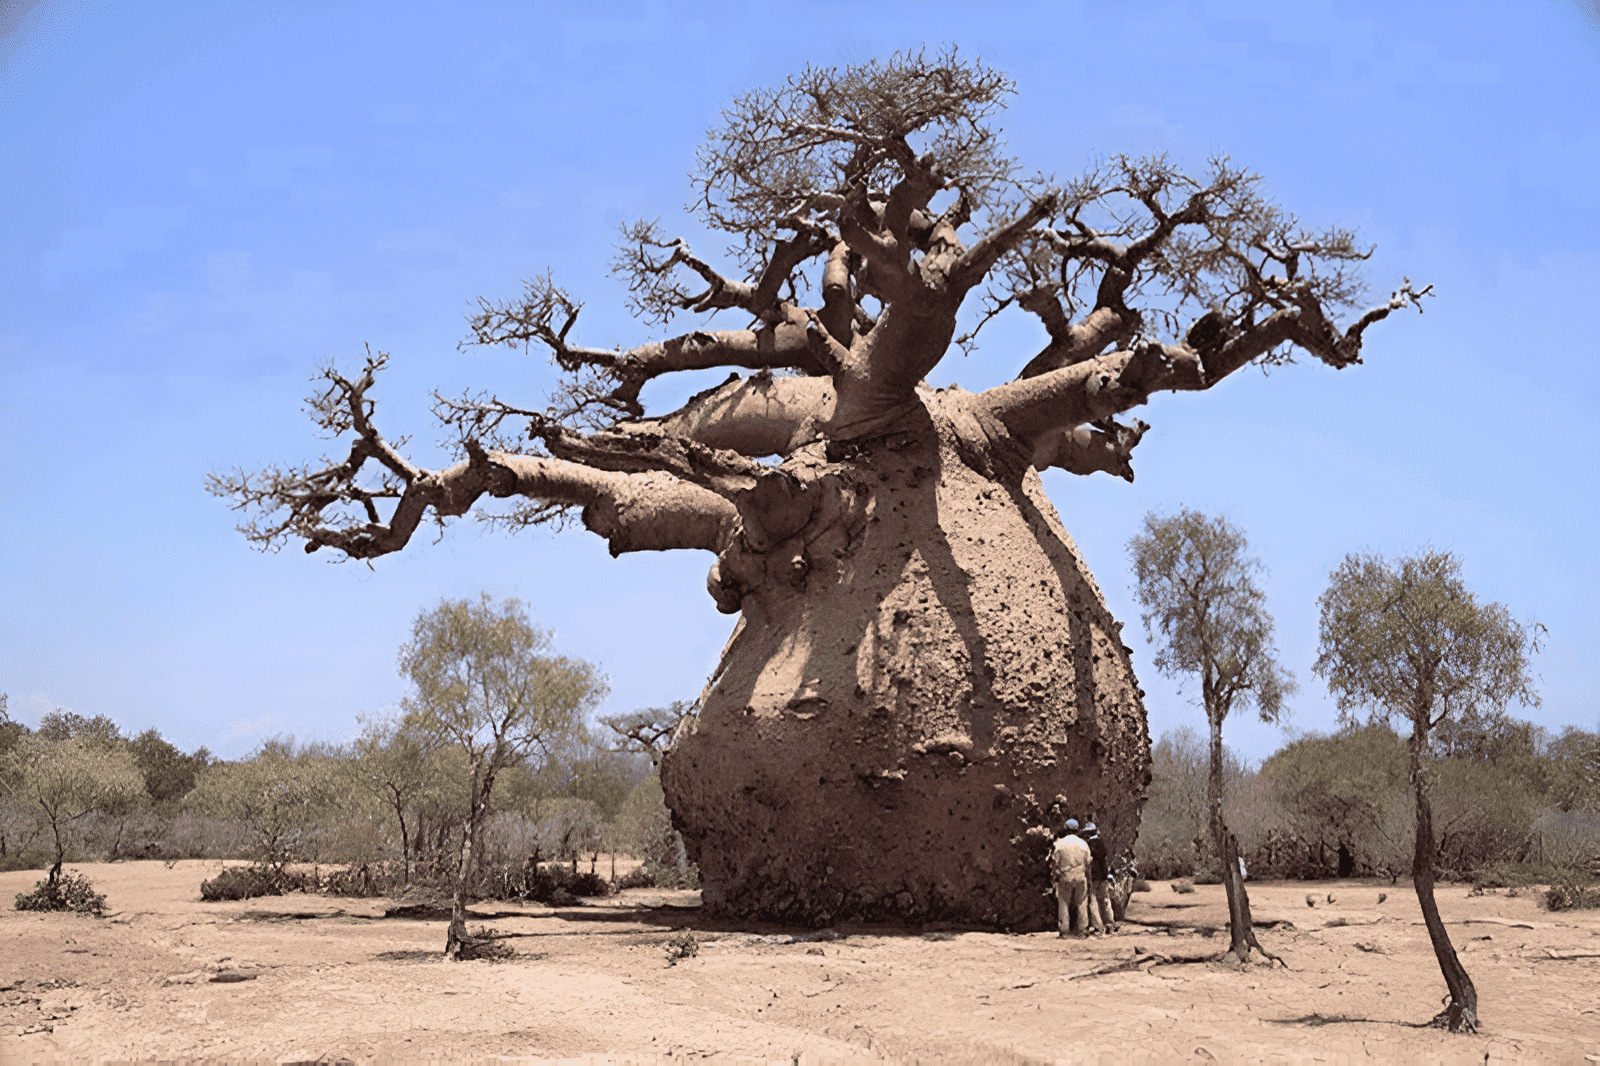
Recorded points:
(755, 416)
(1041, 410)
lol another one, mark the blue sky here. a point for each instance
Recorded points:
(201, 202)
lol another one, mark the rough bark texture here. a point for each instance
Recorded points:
(897, 725)
(1461, 1013)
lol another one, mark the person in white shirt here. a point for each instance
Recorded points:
(1069, 867)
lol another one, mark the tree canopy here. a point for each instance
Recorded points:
(866, 205)
(483, 681)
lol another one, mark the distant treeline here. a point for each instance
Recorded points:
(383, 799)
(1504, 791)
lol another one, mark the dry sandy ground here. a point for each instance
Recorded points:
(321, 979)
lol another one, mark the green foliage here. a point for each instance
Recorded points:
(11, 733)
(1409, 637)
(1571, 895)
(65, 781)
(70, 892)
(1205, 614)
(1520, 874)
(681, 946)
(1348, 791)
(169, 775)
(482, 680)
(281, 798)
(62, 724)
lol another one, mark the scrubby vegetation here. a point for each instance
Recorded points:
(1513, 806)
(70, 892)
(381, 816)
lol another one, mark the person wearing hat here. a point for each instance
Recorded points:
(1069, 868)
(1099, 881)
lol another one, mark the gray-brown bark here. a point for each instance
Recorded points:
(1461, 1013)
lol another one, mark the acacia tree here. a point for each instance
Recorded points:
(397, 764)
(1408, 637)
(1197, 585)
(64, 781)
(483, 682)
(923, 664)
(648, 731)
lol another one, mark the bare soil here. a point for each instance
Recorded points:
(308, 978)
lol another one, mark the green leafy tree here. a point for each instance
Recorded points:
(1209, 620)
(168, 773)
(279, 797)
(62, 724)
(67, 780)
(483, 681)
(1407, 637)
(1340, 794)
(11, 733)
(396, 762)
(1575, 770)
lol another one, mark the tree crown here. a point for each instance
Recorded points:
(1407, 636)
(1197, 584)
(482, 679)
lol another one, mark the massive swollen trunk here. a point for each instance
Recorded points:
(906, 712)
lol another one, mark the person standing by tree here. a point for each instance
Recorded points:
(1099, 880)
(1408, 637)
(482, 682)
(1069, 868)
(1197, 585)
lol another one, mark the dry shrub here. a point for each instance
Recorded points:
(74, 892)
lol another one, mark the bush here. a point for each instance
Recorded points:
(1183, 888)
(74, 892)
(1570, 895)
(1140, 885)
(248, 882)
(639, 877)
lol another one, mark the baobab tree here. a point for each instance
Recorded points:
(923, 670)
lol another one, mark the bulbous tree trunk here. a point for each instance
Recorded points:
(896, 732)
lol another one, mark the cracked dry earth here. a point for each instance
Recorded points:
(306, 978)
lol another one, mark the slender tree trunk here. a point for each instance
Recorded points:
(1238, 925)
(1461, 1016)
(1241, 929)
(456, 940)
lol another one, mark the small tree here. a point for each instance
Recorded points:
(394, 761)
(67, 780)
(482, 682)
(648, 731)
(1407, 637)
(169, 774)
(1197, 586)
(275, 794)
